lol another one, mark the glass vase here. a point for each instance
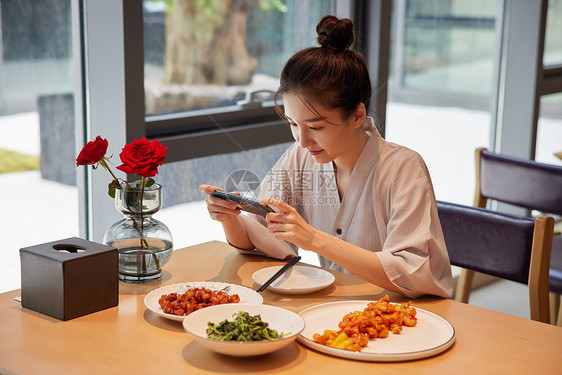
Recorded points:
(144, 243)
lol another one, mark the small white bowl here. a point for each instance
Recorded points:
(282, 320)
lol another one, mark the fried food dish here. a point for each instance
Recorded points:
(377, 320)
(194, 299)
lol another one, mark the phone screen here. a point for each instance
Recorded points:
(245, 204)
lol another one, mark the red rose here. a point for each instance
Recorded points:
(92, 152)
(142, 157)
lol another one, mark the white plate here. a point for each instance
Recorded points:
(282, 320)
(297, 280)
(246, 295)
(431, 335)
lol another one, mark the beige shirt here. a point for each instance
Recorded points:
(388, 207)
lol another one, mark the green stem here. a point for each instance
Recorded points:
(106, 167)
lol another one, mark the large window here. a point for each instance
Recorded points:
(440, 86)
(201, 55)
(216, 64)
(37, 172)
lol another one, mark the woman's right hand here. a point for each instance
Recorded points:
(219, 209)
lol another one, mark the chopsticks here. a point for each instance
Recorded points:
(283, 269)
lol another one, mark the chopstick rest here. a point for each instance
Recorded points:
(277, 274)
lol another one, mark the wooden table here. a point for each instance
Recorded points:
(129, 339)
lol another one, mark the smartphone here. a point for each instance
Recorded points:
(245, 204)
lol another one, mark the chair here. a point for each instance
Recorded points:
(522, 183)
(508, 246)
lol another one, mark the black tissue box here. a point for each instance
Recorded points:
(69, 278)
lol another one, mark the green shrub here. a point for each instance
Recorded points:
(13, 161)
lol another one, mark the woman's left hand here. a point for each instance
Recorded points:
(288, 225)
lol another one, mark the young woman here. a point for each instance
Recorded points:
(363, 204)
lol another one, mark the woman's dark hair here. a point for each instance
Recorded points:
(331, 74)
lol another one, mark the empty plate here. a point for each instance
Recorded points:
(297, 280)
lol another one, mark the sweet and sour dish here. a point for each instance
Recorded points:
(377, 320)
(194, 299)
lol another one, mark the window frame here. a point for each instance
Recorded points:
(230, 128)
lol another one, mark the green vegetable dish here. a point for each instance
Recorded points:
(243, 328)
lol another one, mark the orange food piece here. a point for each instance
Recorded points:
(377, 320)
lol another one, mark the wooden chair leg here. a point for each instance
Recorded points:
(554, 307)
(464, 285)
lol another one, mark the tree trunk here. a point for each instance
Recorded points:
(206, 43)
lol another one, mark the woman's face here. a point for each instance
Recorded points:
(322, 131)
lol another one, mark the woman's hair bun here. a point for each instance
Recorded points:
(335, 33)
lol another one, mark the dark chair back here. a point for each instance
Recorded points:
(523, 183)
(507, 246)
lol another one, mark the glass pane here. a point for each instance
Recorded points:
(549, 130)
(208, 54)
(439, 92)
(462, 10)
(446, 46)
(553, 35)
(37, 170)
